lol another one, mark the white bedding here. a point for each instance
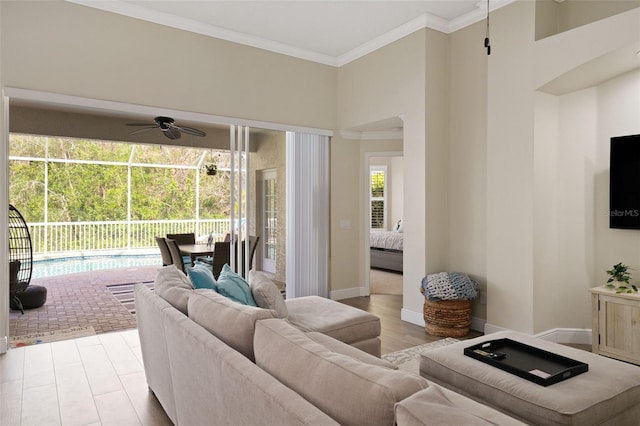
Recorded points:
(386, 240)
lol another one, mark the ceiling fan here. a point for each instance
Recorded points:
(168, 127)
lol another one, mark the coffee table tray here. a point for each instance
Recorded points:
(531, 363)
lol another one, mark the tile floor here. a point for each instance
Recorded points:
(81, 299)
(97, 380)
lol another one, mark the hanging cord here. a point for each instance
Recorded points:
(486, 39)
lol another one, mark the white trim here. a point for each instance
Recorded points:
(424, 21)
(413, 317)
(377, 135)
(417, 318)
(4, 223)
(490, 328)
(103, 105)
(348, 293)
(191, 25)
(578, 336)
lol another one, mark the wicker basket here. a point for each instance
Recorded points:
(448, 318)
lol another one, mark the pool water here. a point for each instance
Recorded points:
(71, 265)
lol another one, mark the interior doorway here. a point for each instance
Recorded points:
(385, 201)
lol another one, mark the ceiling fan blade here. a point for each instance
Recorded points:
(192, 131)
(140, 124)
(171, 133)
(143, 130)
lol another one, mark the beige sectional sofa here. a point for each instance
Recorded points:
(210, 360)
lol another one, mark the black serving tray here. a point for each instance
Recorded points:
(531, 363)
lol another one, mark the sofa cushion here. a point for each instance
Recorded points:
(231, 322)
(234, 287)
(340, 321)
(201, 276)
(174, 287)
(266, 293)
(431, 407)
(345, 349)
(337, 384)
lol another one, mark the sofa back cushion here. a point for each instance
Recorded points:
(174, 287)
(350, 391)
(229, 321)
(266, 293)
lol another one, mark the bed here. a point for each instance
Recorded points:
(386, 250)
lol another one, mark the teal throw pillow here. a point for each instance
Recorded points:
(201, 276)
(234, 287)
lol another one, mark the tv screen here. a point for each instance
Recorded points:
(624, 184)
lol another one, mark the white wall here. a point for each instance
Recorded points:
(389, 82)
(397, 189)
(548, 240)
(618, 106)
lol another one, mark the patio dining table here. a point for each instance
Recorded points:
(196, 250)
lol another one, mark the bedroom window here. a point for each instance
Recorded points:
(378, 196)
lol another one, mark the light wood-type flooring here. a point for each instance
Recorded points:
(99, 380)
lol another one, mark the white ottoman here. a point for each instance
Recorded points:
(607, 394)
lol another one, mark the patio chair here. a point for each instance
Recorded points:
(221, 255)
(164, 251)
(186, 238)
(176, 256)
(253, 244)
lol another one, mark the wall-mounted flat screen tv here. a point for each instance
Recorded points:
(624, 184)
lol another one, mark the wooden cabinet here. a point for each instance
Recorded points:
(616, 324)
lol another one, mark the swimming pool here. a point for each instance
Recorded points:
(71, 265)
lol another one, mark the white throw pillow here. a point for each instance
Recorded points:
(266, 294)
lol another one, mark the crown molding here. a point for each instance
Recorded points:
(424, 21)
(371, 136)
(161, 18)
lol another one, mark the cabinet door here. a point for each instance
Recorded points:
(619, 328)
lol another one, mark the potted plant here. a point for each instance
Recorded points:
(619, 277)
(211, 168)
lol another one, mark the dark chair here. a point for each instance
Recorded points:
(176, 256)
(187, 238)
(164, 251)
(253, 244)
(221, 255)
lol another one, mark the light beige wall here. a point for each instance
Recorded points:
(468, 158)
(387, 83)
(574, 13)
(553, 17)
(544, 191)
(65, 48)
(618, 106)
(397, 190)
(510, 168)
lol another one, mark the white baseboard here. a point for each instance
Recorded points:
(579, 336)
(417, 318)
(347, 293)
(4, 344)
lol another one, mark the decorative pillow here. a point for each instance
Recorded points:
(266, 294)
(174, 287)
(201, 276)
(234, 287)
